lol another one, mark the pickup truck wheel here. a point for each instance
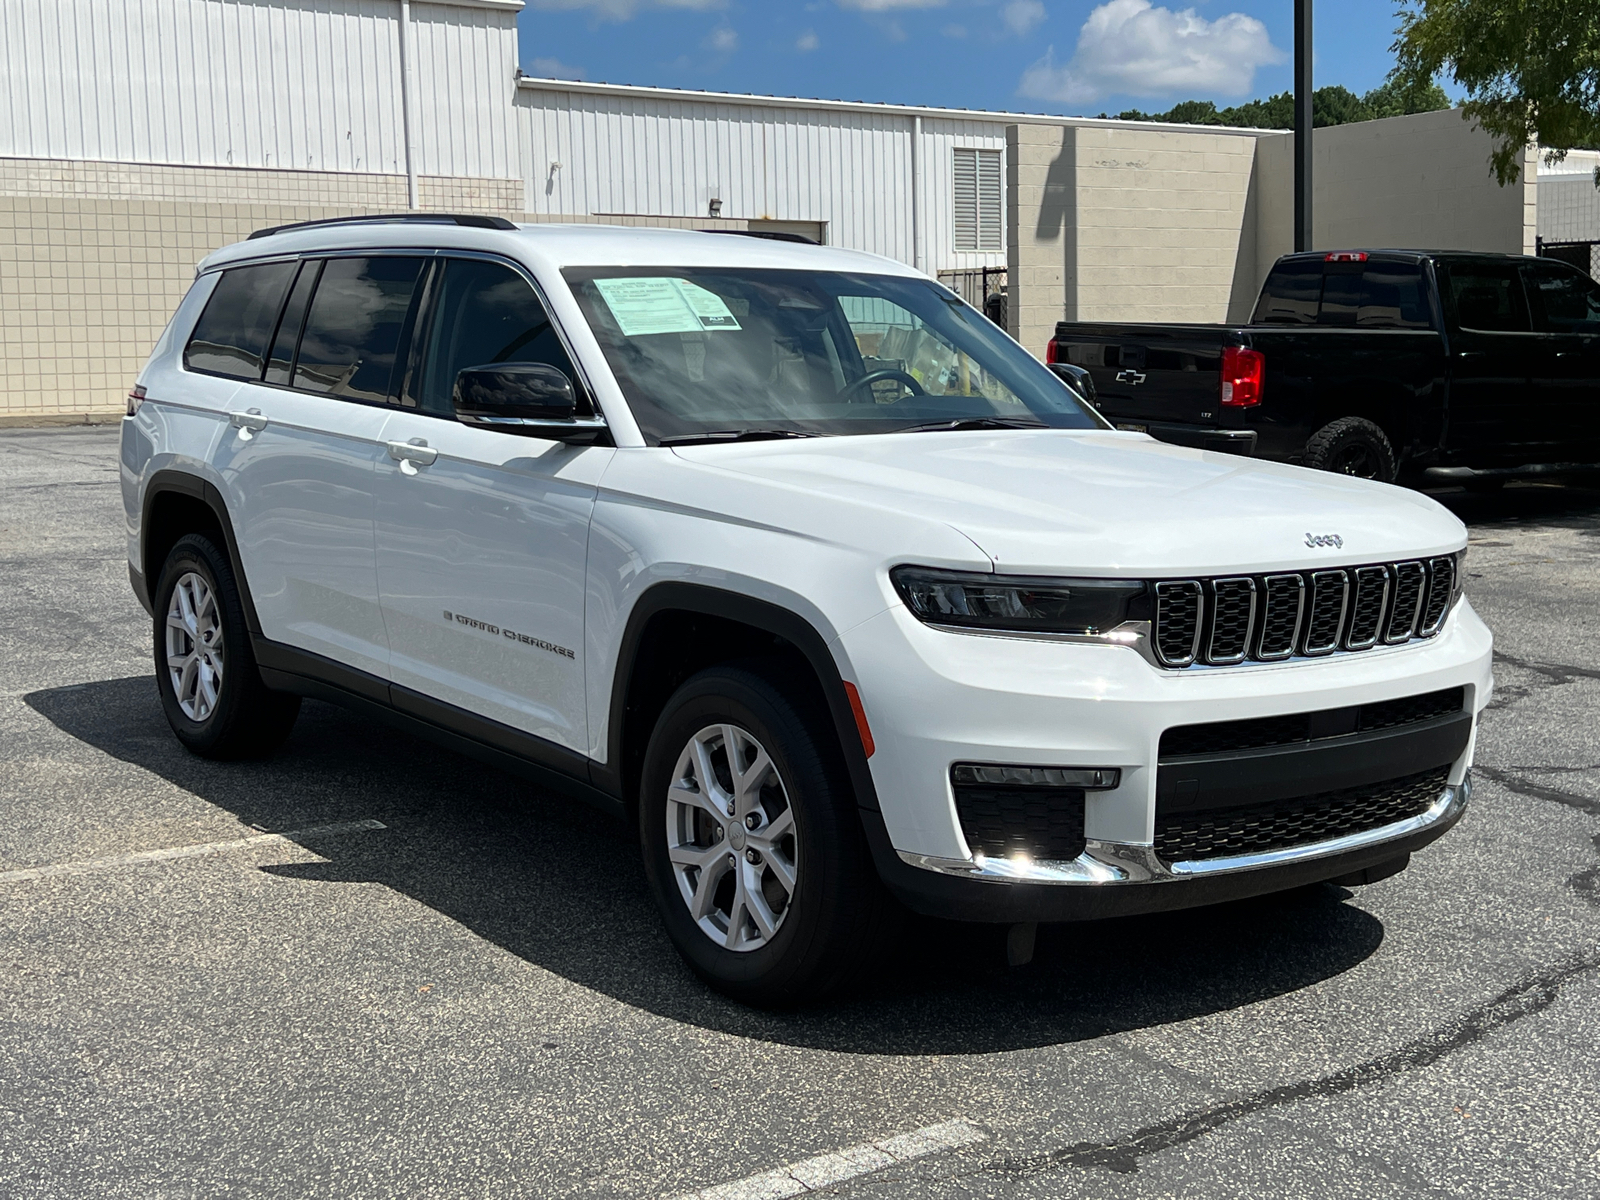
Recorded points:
(1352, 446)
(751, 841)
(206, 673)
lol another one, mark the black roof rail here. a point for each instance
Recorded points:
(471, 220)
(772, 235)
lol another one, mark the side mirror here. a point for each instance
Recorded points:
(1078, 379)
(534, 399)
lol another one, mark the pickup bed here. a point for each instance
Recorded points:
(1434, 367)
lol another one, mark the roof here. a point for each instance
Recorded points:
(683, 95)
(552, 246)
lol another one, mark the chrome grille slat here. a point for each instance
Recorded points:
(1367, 607)
(1234, 619)
(1330, 597)
(1280, 620)
(1441, 582)
(1410, 579)
(1180, 614)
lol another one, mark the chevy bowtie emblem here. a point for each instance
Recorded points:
(1324, 539)
(1134, 377)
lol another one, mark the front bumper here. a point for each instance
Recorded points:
(1118, 880)
(934, 698)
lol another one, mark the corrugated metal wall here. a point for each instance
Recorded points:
(668, 156)
(261, 83)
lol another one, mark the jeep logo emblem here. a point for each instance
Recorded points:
(1324, 539)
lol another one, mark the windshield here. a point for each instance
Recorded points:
(716, 353)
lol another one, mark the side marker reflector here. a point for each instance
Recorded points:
(861, 718)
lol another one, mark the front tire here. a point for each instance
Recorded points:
(1352, 446)
(206, 671)
(751, 841)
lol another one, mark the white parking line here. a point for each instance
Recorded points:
(123, 862)
(827, 1170)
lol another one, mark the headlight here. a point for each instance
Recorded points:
(1020, 604)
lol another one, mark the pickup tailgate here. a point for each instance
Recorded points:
(1151, 374)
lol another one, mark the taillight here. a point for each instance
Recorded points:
(1052, 352)
(1242, 372)
(135, 398)
(1346, 256)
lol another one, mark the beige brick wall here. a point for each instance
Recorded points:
(95, 256)
(1041, 230)
(1160, 219)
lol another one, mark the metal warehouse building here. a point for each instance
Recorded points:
(137, 135)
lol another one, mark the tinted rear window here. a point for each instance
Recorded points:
(1568, 301)
(1290, 295)
(354, 325)
(1375, 295)
(231, 336)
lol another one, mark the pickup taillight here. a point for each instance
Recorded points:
(1051, 352)
(1242, 372)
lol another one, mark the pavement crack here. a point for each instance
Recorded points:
(1524, 999)
(1556, 673)
(1538, 791)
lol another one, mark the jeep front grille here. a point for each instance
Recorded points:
(1268, 618)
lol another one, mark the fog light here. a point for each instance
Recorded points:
(1088, 779)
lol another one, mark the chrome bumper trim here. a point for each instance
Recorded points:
(1113, 863)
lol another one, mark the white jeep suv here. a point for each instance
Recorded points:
(794, 560)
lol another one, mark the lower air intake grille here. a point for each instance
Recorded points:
(1255, 733)
(1268, 618)
(1258, 828)
(1038, 823)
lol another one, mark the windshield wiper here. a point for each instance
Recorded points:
(735, 435)
(974, 423)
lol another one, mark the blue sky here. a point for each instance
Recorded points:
(1060, 56)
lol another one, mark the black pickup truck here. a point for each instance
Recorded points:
(1424, 366)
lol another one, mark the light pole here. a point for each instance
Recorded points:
(1302, 124)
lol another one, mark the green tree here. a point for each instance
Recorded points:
(1530, 68)
(1395, 99)
(1337, 106)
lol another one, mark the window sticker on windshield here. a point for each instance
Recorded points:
(644, 306)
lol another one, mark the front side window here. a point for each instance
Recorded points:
(231, 337)
(1567, 300)
(1488, 296)
(727, 351)
(353, 327)
(483, 313)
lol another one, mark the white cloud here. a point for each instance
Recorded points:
(1129, 47)
(954, 31)
(1020, 16)
(723, 40)
(553, 68)
(887, 5)
(807, 42)
(623, 10)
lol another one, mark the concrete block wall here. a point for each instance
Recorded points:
(94, 257)
(1041, 229)
(1569, 207)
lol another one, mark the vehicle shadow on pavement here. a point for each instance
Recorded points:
(1551, 505)
(561, 886)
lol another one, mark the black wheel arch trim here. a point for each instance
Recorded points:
(184, 483)
(670, 596)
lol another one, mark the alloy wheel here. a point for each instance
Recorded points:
(731, 838)
(194, 646)
(1357, 460)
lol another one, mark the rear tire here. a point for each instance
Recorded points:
(1352, 446)
(776, 902)
(206, 670)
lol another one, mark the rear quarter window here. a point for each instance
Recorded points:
(231, 336)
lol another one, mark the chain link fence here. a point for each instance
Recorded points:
(982, 287)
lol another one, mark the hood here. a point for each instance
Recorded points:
(1106, 502)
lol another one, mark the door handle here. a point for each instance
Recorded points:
(248, 423)
(411, 455)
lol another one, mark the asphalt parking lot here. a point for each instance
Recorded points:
(370, 968)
